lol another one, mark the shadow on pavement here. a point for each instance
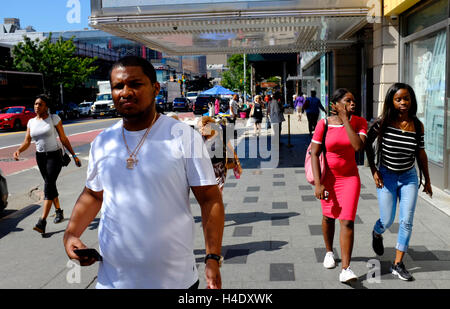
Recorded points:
(233, 254)
(9, 223)
(291, 152)
(252, 217)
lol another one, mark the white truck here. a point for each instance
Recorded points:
(103, 105)
(171, 91)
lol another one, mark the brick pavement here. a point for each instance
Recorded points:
(273, 238)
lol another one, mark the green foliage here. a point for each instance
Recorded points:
(56, 61)
(234, 78)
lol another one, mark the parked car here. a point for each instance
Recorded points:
(181, 103)
(84, 108)
(3, 192)
(192, 95)
(69, 111)
(103, 106)
(16, 117)
(201, 104)
(161, 104)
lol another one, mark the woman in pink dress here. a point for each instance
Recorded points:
(217, 106)
(339, 192)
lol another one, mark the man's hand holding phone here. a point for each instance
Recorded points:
(77, 250)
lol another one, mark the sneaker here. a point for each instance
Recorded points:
(59, 216)
(347, 275)
(400, 271)
(328, 261)
(40, 226)
(377, 243)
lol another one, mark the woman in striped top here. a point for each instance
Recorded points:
(400, 141)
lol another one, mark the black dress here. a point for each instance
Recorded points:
(258, 113)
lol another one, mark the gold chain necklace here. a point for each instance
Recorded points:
(132, 160)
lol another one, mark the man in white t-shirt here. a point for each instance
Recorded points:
(139, 175)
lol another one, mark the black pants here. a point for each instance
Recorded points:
(312, 121)
(195, 286)
(50, 165)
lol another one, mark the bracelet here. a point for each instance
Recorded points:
(74, 156)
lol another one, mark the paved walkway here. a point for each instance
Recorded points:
(273, 236)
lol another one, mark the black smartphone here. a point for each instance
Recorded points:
(88, 253)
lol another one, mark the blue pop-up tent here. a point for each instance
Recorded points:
(218, 90)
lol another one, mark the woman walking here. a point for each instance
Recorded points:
(257, 113)
(43, 129)
(400, 140)
(275, 114)
(213, 139)
(339, 193)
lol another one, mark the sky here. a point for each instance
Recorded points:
(48, 15)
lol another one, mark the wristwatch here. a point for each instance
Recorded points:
(216, 257)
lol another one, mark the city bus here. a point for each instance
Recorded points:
(19, 88)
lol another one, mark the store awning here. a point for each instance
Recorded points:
(199, 27)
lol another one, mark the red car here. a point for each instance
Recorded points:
(16, 117)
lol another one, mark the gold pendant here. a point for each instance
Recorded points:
(130, 163)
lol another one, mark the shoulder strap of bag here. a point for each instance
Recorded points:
(56, 133)
(324, 148)
(417, 126)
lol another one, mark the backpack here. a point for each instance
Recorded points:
(308, 166)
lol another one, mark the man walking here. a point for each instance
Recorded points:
(312, 106)
(298, 105)
(139, 175)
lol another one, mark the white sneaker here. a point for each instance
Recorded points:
(347, 275)
(328, 261)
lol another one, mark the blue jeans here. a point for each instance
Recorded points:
(404, 187)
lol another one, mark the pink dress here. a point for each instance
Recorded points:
(217, 107)
(341, 173)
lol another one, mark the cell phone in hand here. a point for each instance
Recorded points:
(325, 195)
(88, 253)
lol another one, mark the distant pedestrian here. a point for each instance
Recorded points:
(339, 193)
(276, 116)
(234, 108)
(400, 140)
(214, 143)
(44, 130)
(298, 105)
(217, 106)
(257, 113)
(140, 173)
(311, 107)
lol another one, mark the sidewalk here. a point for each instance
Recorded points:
(272, 237)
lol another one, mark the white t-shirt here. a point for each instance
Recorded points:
(146, 232)
(43, 132)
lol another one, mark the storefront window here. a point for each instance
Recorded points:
(427, 63)
(431, 15)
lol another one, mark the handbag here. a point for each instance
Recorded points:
(65, 158)
(308, 167)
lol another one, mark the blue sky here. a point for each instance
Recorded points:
(48, 15)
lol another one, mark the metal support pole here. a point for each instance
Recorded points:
(245, 77)
(289, 145)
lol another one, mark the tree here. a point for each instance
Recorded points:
(233, 79)
(56, 61)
